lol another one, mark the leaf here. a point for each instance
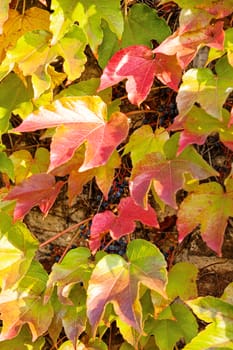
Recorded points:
(32, 54)
(182, 281)
(122, 224)
(88, 14)
(8, 105)
(197, 125)
(209, 206)
(189, 328)
(166, 332)
(18, 24)
(156, 27)
(23, 341)
(17, 249)
(185, 45)
(25, 165)
(39, 189)
(202, 86)
(117, 281)
(4, 6)
(214, 336)
(79, 119)
(74, 316)
(137, 64)
(6, 165)
(71, 47)
(144, 141)
(73, 269)
(219, 332)
(166, 176)
(25, 305)
(91, 12)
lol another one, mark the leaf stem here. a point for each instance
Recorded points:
(64, 232)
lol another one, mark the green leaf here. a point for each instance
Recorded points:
(17, 249)
(186, 320)
(211, 309)
(144, 141)
(83, 88)
(6, 165)
(216, 335)
(109, 46)
(156, 27)
(71, 47)
(25, 305)
(20, 100)
(25, 165)
(90, 15)
(166, 332)
(23, 341)
(73, 269)
(202, 86)
(182, 281)
(117, 282)
(33, 55)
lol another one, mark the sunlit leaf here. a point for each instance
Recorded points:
(167, 176)
(25, 305)
(210, 206)
(138, 65)
(182, 281)
(144, 141)
(197, 125)
(209, 90)
(74, 268)
(17, 249)
(116, 281)
(25, 165)
(79, 119)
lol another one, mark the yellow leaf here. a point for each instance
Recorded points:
(18, 24)
(3, 13)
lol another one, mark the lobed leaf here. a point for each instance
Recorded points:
(39, 189)
(122, 224)
(137, 64)
(209, 206)
(25, 305)
(79, 119)
(17, 249)
(166, 176)
(116, 281)
(202, 86)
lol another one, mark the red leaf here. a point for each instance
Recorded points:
(197, 125)
(79, 119)
(135, 63)
(210, 206)
(138, 65)
(185, 45)
(167, 176)
(121, 225)
(39, 189)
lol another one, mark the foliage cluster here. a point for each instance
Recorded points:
(42, 56)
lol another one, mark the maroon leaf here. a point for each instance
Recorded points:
(39, 189)
(123, 224)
